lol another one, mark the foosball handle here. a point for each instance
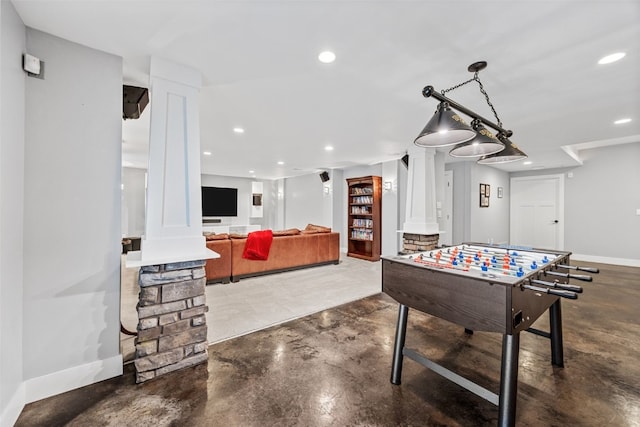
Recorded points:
(562, 286)
(550, 291)
(563, 294)
(575, 267)
(588, 269)
(582, 277)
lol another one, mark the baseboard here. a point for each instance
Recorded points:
(13, 410)
(72, 378)
(606, 260)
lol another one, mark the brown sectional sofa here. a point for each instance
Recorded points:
(287, 252)
(219, 269)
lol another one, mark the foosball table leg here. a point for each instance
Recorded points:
(398, 347)
(555, 323)
(509, 380)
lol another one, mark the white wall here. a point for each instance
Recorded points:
(244, 199)
(305, 202)
(12, 120)
(71, 217)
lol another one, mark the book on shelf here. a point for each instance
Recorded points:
(362, 234)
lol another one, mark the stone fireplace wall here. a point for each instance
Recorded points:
(414, 243)
(172, 329)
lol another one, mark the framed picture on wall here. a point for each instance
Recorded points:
(484, 195)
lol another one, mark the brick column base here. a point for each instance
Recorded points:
(172, 327)
(414, 243)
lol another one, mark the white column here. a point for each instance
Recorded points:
(173, 228)
(421, 192)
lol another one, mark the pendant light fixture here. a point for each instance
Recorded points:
(446, 127)
(484, 143)
(511, 153)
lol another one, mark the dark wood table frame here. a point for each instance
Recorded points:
(490, 304)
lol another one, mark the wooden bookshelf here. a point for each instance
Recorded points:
(365, 215)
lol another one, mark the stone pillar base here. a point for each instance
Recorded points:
(172, 327)
(414, 243)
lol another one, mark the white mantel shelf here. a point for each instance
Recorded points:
(134, 258)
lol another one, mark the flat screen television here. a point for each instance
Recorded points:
(219, 201)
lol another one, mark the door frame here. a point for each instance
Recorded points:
(447, 209)
(560, 203)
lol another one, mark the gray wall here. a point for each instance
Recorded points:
(12, 87)
(471, 223)
(133, 201)
(488, 224)
(71, 209)
(461, 223)
(601, 201)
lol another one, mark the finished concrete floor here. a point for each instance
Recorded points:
(332, 368)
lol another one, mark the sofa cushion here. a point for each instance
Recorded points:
(312, 229)
(237, 236)
(287, 232)
(213, 236)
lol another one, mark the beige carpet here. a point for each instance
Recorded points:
(259, 302)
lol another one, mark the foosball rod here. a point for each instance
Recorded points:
(530, 257)
(474, 265)
(469, 250)
(563, 286)
(582, 277)
(575, 267)
(518, 255)
(499, 261)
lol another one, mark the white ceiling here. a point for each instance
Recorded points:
(261, 73)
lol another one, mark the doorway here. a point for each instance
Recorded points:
(537, 212)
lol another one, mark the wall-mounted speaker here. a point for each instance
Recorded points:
(134, 99)
(324, 176)
(405, 160)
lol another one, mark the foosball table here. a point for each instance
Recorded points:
(483, 288)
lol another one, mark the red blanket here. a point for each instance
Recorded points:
(258, 245)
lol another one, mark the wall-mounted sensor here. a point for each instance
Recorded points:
(31, 64)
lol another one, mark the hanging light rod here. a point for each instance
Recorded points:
(447, 128)
(429, 91)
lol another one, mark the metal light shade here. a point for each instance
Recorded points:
(446, 127)
(511, 153)
(484, 144)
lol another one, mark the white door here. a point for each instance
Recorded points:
(446, 238)
(537, 212)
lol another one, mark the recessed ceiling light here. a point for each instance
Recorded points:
(252, 171)
(622, 121)
(611, 58)
(238, 130)
(327, 57)
(328, 148)
(527, 163)
(206, 153)
(281, 163)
